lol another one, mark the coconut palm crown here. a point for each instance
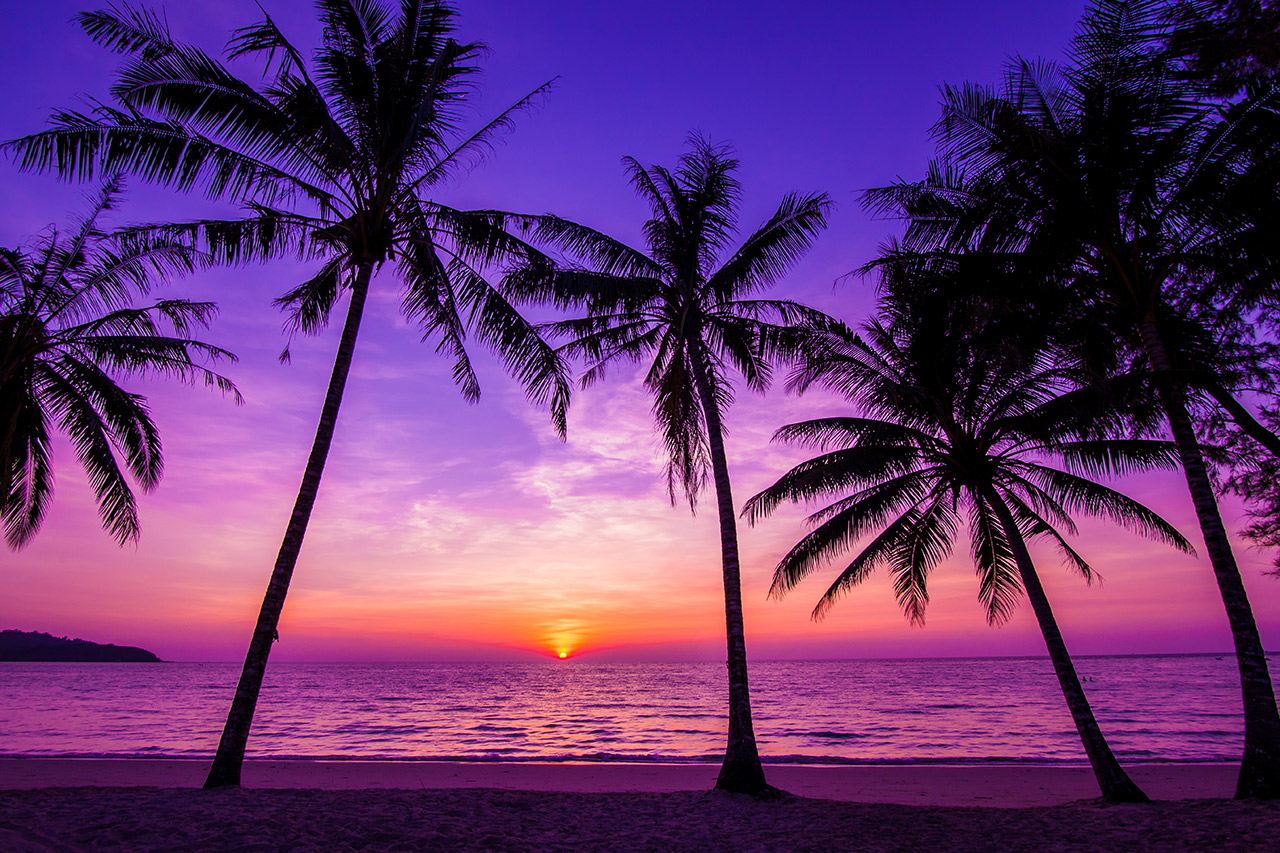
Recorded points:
(956, 432)
(69, 332)
(334, 160)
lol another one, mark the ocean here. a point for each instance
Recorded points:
(1183, 708)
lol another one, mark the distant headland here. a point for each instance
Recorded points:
(36, 646)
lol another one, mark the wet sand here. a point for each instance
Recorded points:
(155, 804)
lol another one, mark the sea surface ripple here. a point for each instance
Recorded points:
(953, 710)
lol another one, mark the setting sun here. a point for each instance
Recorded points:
(562, 654)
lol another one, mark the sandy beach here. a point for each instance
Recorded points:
(155, 804)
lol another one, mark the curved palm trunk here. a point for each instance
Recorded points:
(1115, 784)
(1260, 765)
(235, 735)
(1245, 420)
(9, 397)
(741, 771)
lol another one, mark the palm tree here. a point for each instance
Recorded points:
(1127, 191)
(950, 419)
(693, 317)
(1229, 44)
(68, 333)
(333, 160)
(1255, 477)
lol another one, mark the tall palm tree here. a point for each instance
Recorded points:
(950, 421)
(1127, 190)
(69, 331)
(333, 160)
(692, 316)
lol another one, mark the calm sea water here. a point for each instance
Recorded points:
(1175, 708)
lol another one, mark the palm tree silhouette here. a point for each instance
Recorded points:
(333, 160)
(68, 332)
(953, 419)
(692, 317)
(1138, 205)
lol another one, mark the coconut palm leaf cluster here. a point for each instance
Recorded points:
(70, 333)
(1086, 270)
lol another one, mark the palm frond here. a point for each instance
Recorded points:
(475, 148)
(27, 461)
(999, 587)
(774, 248)
(83, 147)
(124, 28)
(926, 545)
(1116, 457)
(91, 437)
(307, 306)
(831, 539)
(531, 360)
(1092, 498)
(876, 467)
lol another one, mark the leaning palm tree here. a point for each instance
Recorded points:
(333, 160)
(949, 421)
(1129, 193)
(69, 331)
(693, 318)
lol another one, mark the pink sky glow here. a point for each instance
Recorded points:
(453, 532)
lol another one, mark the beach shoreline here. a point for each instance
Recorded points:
(58, 804)
(1001, 785)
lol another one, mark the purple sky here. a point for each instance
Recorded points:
(452, 531)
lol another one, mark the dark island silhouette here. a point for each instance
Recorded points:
(36, 646)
